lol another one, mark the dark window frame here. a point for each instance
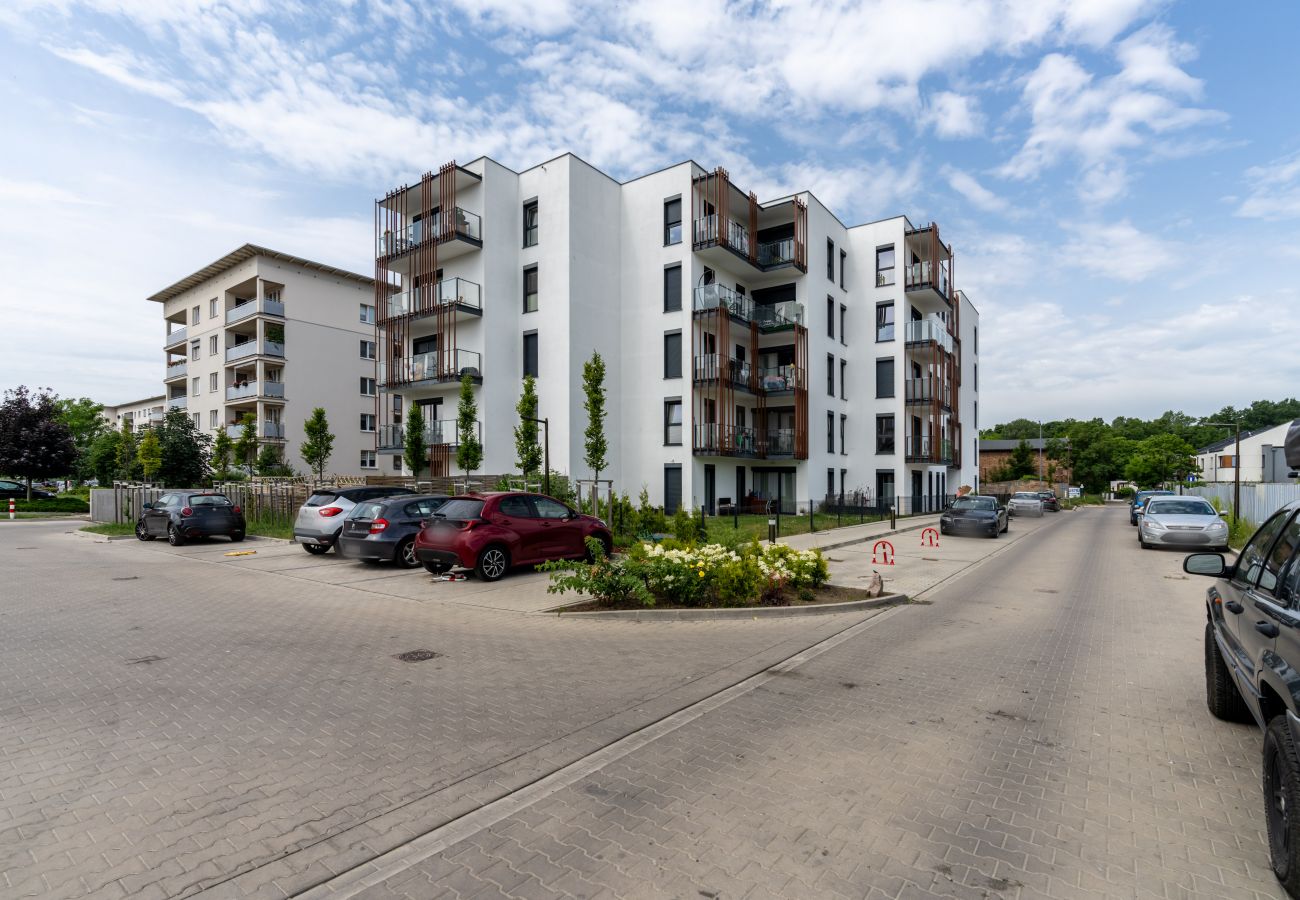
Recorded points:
(891, 433)
(537, 354)
(844, 258)
(830, 259)
(844, 426)
(830, 374)
(830, 317)
(844, 391)
(668, 373)
(892, 325)
(669, 223)
(536, 288)
(830, 432)
(844, 336)
(886, 271)
(893, 387)
(668, 278)
(530, 231)
(670, 402)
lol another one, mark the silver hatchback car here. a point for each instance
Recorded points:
(1181, 522)
(320, 520)
(1025, 503)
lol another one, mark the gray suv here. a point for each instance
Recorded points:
(320, 520)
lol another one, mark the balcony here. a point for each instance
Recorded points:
(440, 431)
(923, 275)
(253, 348)
(926, 449)
(175, 370)
(925, 391)
(736, 235)
(247, 308)
(769, 317)
(779, 442)
(252, 390)
(780, 379)
(463, 224)
(715, 367)
(930, 330)
(931, 273)
(177, 402)
(727, 223)
(452, 292)
(777, 253)
(439, 366)
(174, 338)
(272, 431)
(712, 439)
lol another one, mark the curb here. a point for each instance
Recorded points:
(701, 615)
(882, 534)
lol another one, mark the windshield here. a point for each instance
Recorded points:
(208, 500)
(460, 508)
(975, 503)
(320, 498)
(1180, 508)
(1025, 495)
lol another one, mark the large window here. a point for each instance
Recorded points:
(530, 223)
(830, 259)
(673, 354)
(830, 375)
(194, 316)
(212, 345)
(212, 382)
(530, 289)
(673, 289)
(673, 232)
(212, 308)
(367, 387)
(367, 421)
(884, 434)
(884, 265)
(884, 322)
(885, 377)
(212, 418)
(673, 422)
(194, 390)
(368, 460)
(530, 353)
(195, 348)
(367, 349)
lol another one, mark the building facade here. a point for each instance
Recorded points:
(139, 413)
(758, 354)
(1262, 457)
(995, 454)
(274, 335)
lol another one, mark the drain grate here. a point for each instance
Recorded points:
(416, 655)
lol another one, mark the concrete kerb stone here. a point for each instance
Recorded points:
(929, 522)
(731, 612)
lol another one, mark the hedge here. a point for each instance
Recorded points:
(57, 504)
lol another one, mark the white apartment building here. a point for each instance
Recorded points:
(275, 335)
(140, 413)
(1262, 457)
(755, 351)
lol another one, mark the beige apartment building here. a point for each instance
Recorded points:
(137, 413)
(275, 335)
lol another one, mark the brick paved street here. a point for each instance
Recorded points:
(1036, 729)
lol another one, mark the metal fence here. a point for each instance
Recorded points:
(1258, 501)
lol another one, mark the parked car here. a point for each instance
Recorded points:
(181, 515)
(1140, 501)
(973, 513)
(1050, 503)
(1025, 503)
(18, 491)
(491, 532)
(1181, 522)
(384, 530)
(320, 519)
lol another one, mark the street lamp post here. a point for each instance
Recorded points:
(1236, 467)
(1040, 450)
(546, 454)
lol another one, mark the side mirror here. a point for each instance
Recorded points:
(1211, 564)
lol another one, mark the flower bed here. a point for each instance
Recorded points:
(704, 576)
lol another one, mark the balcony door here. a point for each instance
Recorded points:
(432, 412)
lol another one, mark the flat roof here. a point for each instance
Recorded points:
(244, 253)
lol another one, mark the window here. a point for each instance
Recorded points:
(884, 322)
(844, 424)
(212, 382)
(844, 480)
(212, 308)
(673, 422)
(367, 387)
(194, 316)
(368, 313)
(516, 507)
(844, 380)
(844, 335)
(844, 258)
(194, 388)
(884, 378)
(673, 289)
(975, 380)
(672, 354)
(194, 349)
(830, 483)
(530, 353)
(1225, 462)
(1251, 561)
(397, 409)
(830, 432)
(397, 462)
(976, 342)
(830, 375)
(530, 223)
(830, 317)
(367, 421)
(530, 289)
(550, 509)
(367, 349)
(884, 265)
(830, 259)
(673, 235)
(197, 420)
(212, 345)
(368, 459)
(212, 419)
(672, 489)
(884, 434)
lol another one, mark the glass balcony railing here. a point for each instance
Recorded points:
(714, 366)
(449, 365)
(931, 329)
(439, 431)
(780, 442)
(736, 235)
(246, 390)
(725, 440)
(177, 402)
(774, 379)
(450, 291)
(175, 370)
(924, 448)
(241, 311)
(926, 390)
(927, 274)
(464, 224)
(273, 430)
(773, 315)
(775, 253)
(251, 348)
(174, 337)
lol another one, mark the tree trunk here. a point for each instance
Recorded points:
(29, 488)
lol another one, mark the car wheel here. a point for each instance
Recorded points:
(608, 548)
(316, 549)
(994, 533)
(434, 568)
(1006, 527)
(943, 529)
(142, 533)
(236, 536)
(1221, 693)
(405, 555)
(492, 563)
(1282, 801)
(174, 537)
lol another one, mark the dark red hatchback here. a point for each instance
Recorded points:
(491, 532)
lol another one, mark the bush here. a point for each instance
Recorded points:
(58, 504)
(650, 519)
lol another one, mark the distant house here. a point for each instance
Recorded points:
(1262, 457)
(995, 454)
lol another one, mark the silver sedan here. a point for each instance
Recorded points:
(1025, 503)
(1181, 522)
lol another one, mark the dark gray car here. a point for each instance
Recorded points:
(320, 520)
(974, 514)
(384, 530)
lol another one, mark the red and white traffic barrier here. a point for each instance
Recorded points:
(11, 507)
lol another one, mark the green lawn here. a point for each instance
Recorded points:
(110, 528)
(756, 526)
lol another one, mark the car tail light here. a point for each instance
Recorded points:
(378, 525)
(236, 509)
(330, 511)
(187, 511)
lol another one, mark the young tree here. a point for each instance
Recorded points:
(593, 386)
(268, 461)
(527, 450)
(85, 420)
(415, 452)
(222, 449)
(186, 451)
(103, 457)
(1159, 459)
(150, 454)
(33, 442)
(246, 443)
(469, 452)
(319, 443)
(1022, 460)
(128, 460)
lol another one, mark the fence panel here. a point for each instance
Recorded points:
(1258, 501)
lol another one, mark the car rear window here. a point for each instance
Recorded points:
(370, 510)
(460, 508)
(208, 500)
(320, 498)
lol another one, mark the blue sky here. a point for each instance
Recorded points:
(1120, 179)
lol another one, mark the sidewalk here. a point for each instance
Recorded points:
(854, 534)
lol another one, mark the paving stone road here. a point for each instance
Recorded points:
(1037, 729)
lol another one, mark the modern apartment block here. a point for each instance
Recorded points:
(267, 333)
(755, 351)
(139, 413)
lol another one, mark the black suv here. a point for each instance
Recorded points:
(1252, 656)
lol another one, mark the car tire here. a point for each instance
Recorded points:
(1006, 527)
(316, 549)
(404, 555)
(1221, 693)
(493, 562)
(434, 568)
(236, 536)
(174, 537)
(1282, 802)
(943, 529)
(142, 533)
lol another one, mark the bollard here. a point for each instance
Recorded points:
(812, 525)
(11, 507)
(771, 531)
(893, 516)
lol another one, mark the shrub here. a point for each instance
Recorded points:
(605, 580)
(58, 504)
(650, 519)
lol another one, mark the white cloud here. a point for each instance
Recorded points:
(975, 193)
(953, 115)
(1117, 251)
(1274, 191)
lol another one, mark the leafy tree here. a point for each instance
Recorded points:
(85, 420)
(415, 452)
(469, 452)
(1159, 459)
(33, 442)
(246, 443)
(150, 454)
(593, 386)
(186, 451)
(128, 460)
(222, 449)
(527, 450)
(103, 457)
(319, 443)
(269, 462)
(1022, 460)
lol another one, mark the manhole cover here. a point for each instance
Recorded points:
(416, 655)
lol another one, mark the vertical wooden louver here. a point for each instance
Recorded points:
(801, 235)
(801, 393)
